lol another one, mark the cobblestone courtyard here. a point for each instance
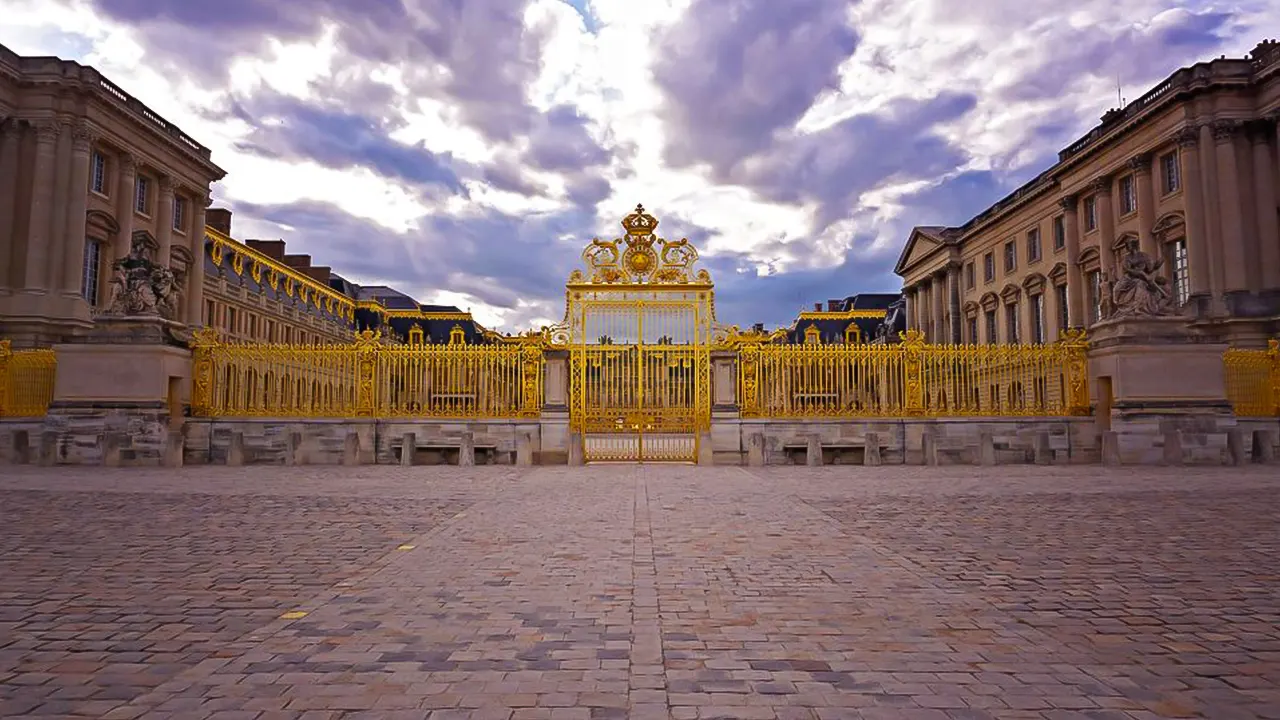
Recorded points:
(640, 591)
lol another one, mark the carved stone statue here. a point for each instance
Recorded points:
(1141, 291)
(141, 287)
(895, 321)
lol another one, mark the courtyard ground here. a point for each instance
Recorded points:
(640, 591)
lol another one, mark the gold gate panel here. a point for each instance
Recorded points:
(638, 327)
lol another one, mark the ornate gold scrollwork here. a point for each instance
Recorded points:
(640, 257)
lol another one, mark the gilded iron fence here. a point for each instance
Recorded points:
(366, 379)
(911, 379)
(26, 381)
(1253, 380)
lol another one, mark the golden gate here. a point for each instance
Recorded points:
(638, 327)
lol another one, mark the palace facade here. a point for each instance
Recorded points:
(1188, 173)
(88, 173)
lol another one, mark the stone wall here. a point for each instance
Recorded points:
(958, 440)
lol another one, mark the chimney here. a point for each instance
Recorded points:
(297, 261)
(833, 305)
(319, 274)
(758, 327)
(817, 307)
(273, 249)
(219, 219)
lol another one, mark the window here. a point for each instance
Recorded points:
(1010, 256)
(1128, 195)
(969, 280)
(179, 210)
(1037, 319)
(1033, 245)
(973, 330)
(89, 277)
(1091, 213)
(989, 267)
(991, 327)
(1170, 173)
(1063, 319)
(98, 173)
(1059, 232)
(142, 196)
(1011, 322)
(208, 312)
(1181, 277)
(1095, 296)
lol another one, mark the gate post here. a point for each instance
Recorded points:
(913, 382)
(366, 372)
(1076, 369)
(203, 343)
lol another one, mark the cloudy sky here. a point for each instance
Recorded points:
(465, 150)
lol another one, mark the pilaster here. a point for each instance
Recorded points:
(10, 144)
(38, 234)
(1234, 275)
(1141, 166)
(1075, 276)
(164, 221)
(1198, 262)
(77, 201)
(1103, 189)
(1264, 192)
(126, 189)
(195, 275)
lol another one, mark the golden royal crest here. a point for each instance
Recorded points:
(641, 257)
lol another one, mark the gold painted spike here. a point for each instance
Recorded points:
(294, 615)
(406, 547)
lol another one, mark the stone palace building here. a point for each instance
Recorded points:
(1188, 173)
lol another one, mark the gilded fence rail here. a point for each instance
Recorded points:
(912, 379)
(26, 381)
(366, 379)
(1253, 380)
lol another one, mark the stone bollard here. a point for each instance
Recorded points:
(1235, 447)
(235, 450)
(111, 443)
(1264, 448)
(706, 453)
(755, 450)
(49, 448)
(175, 449)
(813, 450)
(21, 441)
(1172, 447)
(986, 449)
(929, 448)
(295, 451)
(871, 450)
(408, 445)
(1043, 450)
(524, 449)
(467, 450)
(576, 457)
(351, 449)
(1110, 448)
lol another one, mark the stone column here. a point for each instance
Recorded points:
(1234, 273)
(1264, 190)
(939, 298)
(922, 303)
(1075, 276)
(1103, 189)
(61, 191)
(195, 275)
(1193, 204)
(908, 294)
(953, 304)
(10, 143)
(164, 221)
(126, 189)
(73, 260)
(1213, 216)
(1141, 166)
(38, 238)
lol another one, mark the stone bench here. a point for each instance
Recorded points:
(815, 451)
(464, 452)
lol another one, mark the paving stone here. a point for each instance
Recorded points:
(618, 591)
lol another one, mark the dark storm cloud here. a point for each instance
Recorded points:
(475, 52)
(287, 127)
(1135, 56)
(736, 72)
(560, 141)
(499, 259)
(737, 77)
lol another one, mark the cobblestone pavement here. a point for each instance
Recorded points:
(640, 591)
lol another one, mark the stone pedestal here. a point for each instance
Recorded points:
(1154, 377)
(128, 380)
